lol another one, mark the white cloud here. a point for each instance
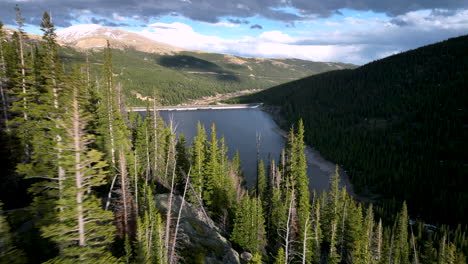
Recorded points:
(268, 44)
(116, 17)
(224, 24)
(276, 36)
(357, 40)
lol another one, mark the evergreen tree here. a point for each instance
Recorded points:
(261, 180)
(354, 234)
(277, 217)
(198, 156)
(86, 229)
(368, 233)
(377, 244)
(249, 225)
(256, 259)
(22, 91)
(331, 220)
(299, 174)
(182, 161)
(45, 144)
(401, 255)
(5, 101)
(149, 235)
(212, 170)
(280, 258)
(316, 228)
(8, 252)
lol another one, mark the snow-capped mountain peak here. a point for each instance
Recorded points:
(91, 36)
(74, 33)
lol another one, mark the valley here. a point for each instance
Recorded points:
(118, 147)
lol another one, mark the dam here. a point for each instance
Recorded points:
(197, 107)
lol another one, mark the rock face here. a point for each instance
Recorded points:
(199, 240)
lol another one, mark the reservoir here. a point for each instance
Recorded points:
(240, 128)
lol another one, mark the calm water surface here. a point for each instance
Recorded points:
(240, 127)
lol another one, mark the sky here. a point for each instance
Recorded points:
(351, 31)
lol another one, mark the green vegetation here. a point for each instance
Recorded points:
(83, 174)
(398, 126)
(190, 75)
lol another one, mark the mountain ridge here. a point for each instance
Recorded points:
(91, 36)
(398, 125)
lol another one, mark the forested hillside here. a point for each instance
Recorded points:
(398, 125)
(82, 180)
(189, 75)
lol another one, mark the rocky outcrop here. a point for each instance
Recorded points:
(199, 240)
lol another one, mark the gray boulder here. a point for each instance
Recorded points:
(198, 240)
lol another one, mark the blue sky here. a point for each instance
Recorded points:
(354, 31)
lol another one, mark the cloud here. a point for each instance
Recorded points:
(356, 40)
(107, 23)
(256, 26)
(212, 10)
(350, 39)
(378, 38)
(276, 36)
(238, 21)
(224, 24)
(267, 44)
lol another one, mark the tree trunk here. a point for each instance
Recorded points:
(78, 171)
(136, 181)
(2, 87)
(171, 257)
(288, 223)
(124, 188)
(155, 137)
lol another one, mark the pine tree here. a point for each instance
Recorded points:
(299, 175)
(45, 144)
(280, 258)
(212, 169)
(401, 254)
(115, 136)
(261, 180)
(331, 220)
(183, 162)
(316, 230)
(142, 147)
(377, 244)
(249, 225)
(86, 229)
(256, 259)
(150, 234)
(368, 234)
(23, 93)
(354, 234)
(5, 101)
(23, 69)
(198, 156)
(8, 252)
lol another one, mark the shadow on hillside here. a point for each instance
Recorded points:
(198, 66)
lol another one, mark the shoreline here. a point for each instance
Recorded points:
(198, 107)
(313, 156)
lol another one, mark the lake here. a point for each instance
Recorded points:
(240, 127)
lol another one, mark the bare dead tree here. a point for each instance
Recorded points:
(287, 241)
(187, 180)
(170, 198)
(416, 261)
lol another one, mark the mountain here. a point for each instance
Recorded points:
(142, 64)
(398, 125)
(88, 36)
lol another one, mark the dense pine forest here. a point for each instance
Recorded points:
(82, 181)
(397, 125)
